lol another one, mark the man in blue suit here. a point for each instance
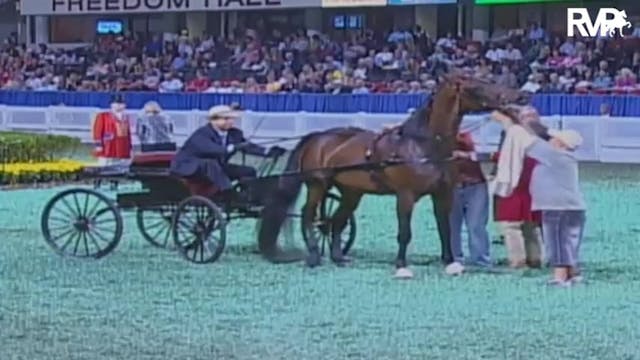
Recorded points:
(206, 153)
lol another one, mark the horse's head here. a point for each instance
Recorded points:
(475, 94)
(459, 94)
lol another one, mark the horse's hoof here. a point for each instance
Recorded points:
(277, 256)
(403, 273)
(313, 260)
(454, 269)
(341, 260)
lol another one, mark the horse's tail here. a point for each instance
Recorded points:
(278, 205)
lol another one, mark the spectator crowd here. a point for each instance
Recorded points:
(400, 61)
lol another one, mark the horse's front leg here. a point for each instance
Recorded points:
(442, 205)
(404, 210)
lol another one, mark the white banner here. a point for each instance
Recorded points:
(81, 7)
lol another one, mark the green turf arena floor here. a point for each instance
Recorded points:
(145, 303)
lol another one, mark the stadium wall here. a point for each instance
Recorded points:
(608, 139)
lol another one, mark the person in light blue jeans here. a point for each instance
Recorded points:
(470, 206)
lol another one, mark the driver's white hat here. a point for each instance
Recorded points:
(219, 111)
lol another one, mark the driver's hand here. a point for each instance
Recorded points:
(243, 145)
(460, 154)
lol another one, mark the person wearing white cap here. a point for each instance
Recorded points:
(206, 153)
(555, 191)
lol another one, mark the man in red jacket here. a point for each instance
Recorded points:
(112, 135)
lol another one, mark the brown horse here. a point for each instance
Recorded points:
(414, 160)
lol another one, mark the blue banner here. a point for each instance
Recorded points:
(552, 104)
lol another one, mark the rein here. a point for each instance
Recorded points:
(472, 128)
(477, 126)
(270, 140)
(367, 166)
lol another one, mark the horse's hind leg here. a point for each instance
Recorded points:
(348, 204)
(315, 194)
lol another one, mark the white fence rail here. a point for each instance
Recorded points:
(605, 139)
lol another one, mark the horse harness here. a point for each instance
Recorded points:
(377, 173)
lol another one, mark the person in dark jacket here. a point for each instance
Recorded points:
(206, 153)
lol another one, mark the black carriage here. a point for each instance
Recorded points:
(170, 212)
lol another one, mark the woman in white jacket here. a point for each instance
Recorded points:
(154, 129)
(555, 191)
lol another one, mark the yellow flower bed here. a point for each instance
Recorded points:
(24, 173)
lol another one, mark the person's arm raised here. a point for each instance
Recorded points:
(540, 130)
(502, 118)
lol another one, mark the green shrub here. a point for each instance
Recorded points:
(25, 147)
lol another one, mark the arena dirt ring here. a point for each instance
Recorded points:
(145, 303)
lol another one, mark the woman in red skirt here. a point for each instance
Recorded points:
(520, 227)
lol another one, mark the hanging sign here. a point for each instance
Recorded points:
(82, 7)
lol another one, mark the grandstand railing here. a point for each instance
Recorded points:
(606, 139)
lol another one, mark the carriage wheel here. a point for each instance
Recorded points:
(199, 230)
(81, 223)
(321, 229)
(155, 225)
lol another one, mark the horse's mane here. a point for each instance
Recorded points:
(417, 122)
(347, 130)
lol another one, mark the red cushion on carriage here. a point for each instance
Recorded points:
(199, 187)
(154, 159)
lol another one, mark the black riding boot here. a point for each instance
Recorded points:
(247, 194)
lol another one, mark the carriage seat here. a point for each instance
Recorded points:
(162, 160)
(157, 159)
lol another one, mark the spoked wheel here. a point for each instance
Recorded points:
(155, 225)
(321, 228)
(199, 230)
(81, 223)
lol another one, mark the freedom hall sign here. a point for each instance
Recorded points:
(80, 7)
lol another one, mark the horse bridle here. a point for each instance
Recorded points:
(443, 137)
